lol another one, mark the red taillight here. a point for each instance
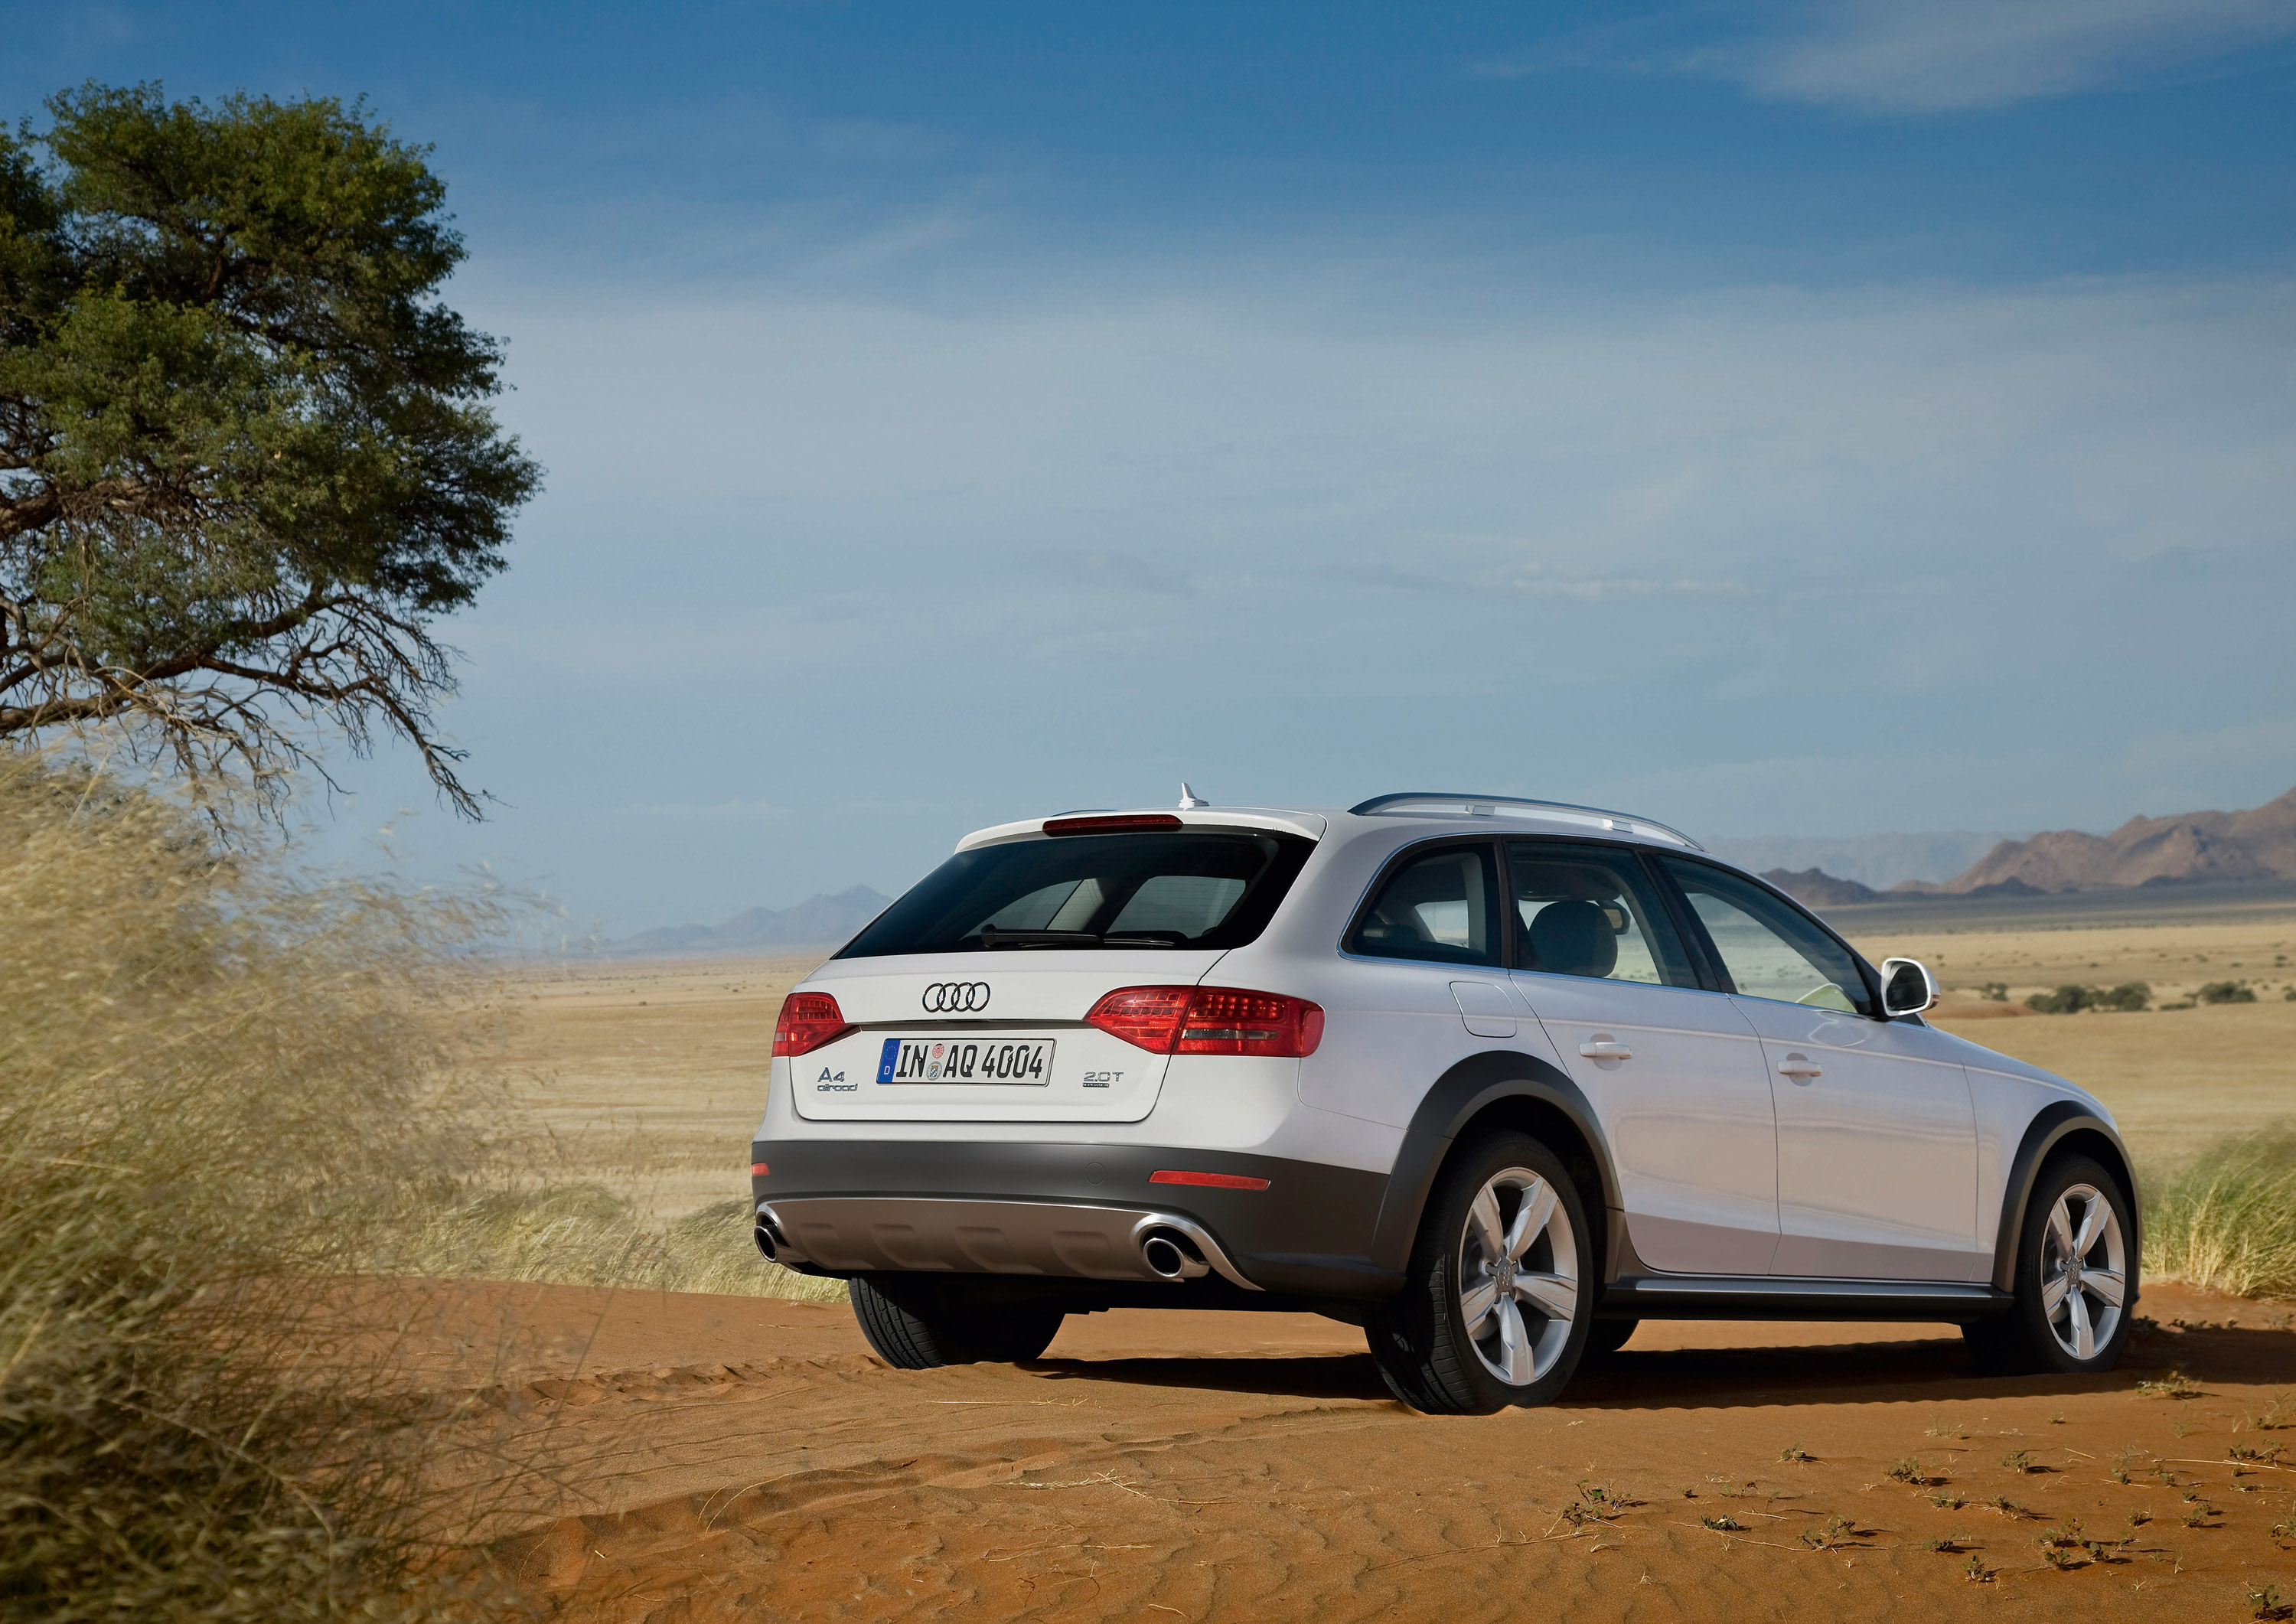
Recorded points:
(1110, 825)
(1210, 1020)
(807, 1020)
(758, 1170)
(1148, 1016)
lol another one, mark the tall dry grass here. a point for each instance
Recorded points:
(2228, 1221)
(520, 1226)
(221, 1086)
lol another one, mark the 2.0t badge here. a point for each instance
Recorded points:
(956, 997)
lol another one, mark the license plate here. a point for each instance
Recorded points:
(1024, 1061)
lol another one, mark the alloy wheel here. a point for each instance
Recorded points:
(2084, 1271)
(1518, 1276)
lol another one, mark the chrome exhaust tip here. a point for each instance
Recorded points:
(1170, 1255)
(765, 1233)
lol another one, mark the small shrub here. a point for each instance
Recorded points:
(2071, 999)
(2278, 1414)
(1795, 1455)
(2197, 1514)
(2175, 1384)
(2020, 1460)
(2265, 1603)
(1945, 1500)
(1907, 1471)
(2138, 1519)
(1837, 1529)
(1995, 992)
(1725, 1523)
(2224, 992)
(1975, 1571)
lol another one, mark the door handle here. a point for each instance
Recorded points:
(1605, 1048)
(1801, 1068)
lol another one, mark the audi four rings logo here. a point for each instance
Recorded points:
(956, 997)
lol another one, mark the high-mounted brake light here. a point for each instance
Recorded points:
(1110, 825)
(1210, 1020)
(807, 1020)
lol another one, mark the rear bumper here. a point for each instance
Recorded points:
(1069, 1212)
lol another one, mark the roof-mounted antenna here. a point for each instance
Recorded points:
(1188, 799)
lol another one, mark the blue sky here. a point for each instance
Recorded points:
(1792, 419)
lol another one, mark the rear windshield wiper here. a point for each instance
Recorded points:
(991, 937)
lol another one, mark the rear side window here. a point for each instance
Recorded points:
(1440, 906)
(1591, 911)
(1186, 889)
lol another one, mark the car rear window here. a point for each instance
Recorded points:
(1186, 889)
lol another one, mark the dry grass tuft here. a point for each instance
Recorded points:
(586, 1234)
(219, 1083)
(2227, 1222)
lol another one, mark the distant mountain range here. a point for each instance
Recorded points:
(2185, 848)
(819, 922)
(1878, 861)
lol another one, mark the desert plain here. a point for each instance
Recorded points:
(730, 1457)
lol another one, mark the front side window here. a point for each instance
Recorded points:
(1770, 948)
(1439, 907)
(1193, 888)
(1591, 911)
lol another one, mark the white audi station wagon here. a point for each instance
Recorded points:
(1493, 1079)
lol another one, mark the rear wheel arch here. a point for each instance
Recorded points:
(1481, 1094)
(2065, 1128)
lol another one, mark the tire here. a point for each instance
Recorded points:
(2059, 1310)
(918, 1325)
(1435, 1352)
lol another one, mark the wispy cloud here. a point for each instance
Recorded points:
(1890, 56)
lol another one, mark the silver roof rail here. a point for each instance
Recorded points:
(1485, 806)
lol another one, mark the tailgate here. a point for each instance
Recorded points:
(984, 1037)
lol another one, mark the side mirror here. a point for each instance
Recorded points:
(1907, 987)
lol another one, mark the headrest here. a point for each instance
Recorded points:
(1573, 938)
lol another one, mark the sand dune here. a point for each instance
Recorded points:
(734, 1458)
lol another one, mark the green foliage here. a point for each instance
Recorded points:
(2228, 1221)
(2069, 1000)
(2224, 992)
(1996, 992)
(245, 460)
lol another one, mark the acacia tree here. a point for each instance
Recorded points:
(245, 457)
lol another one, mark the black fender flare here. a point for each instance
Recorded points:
(2050, 1127)
(1456, 1098)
